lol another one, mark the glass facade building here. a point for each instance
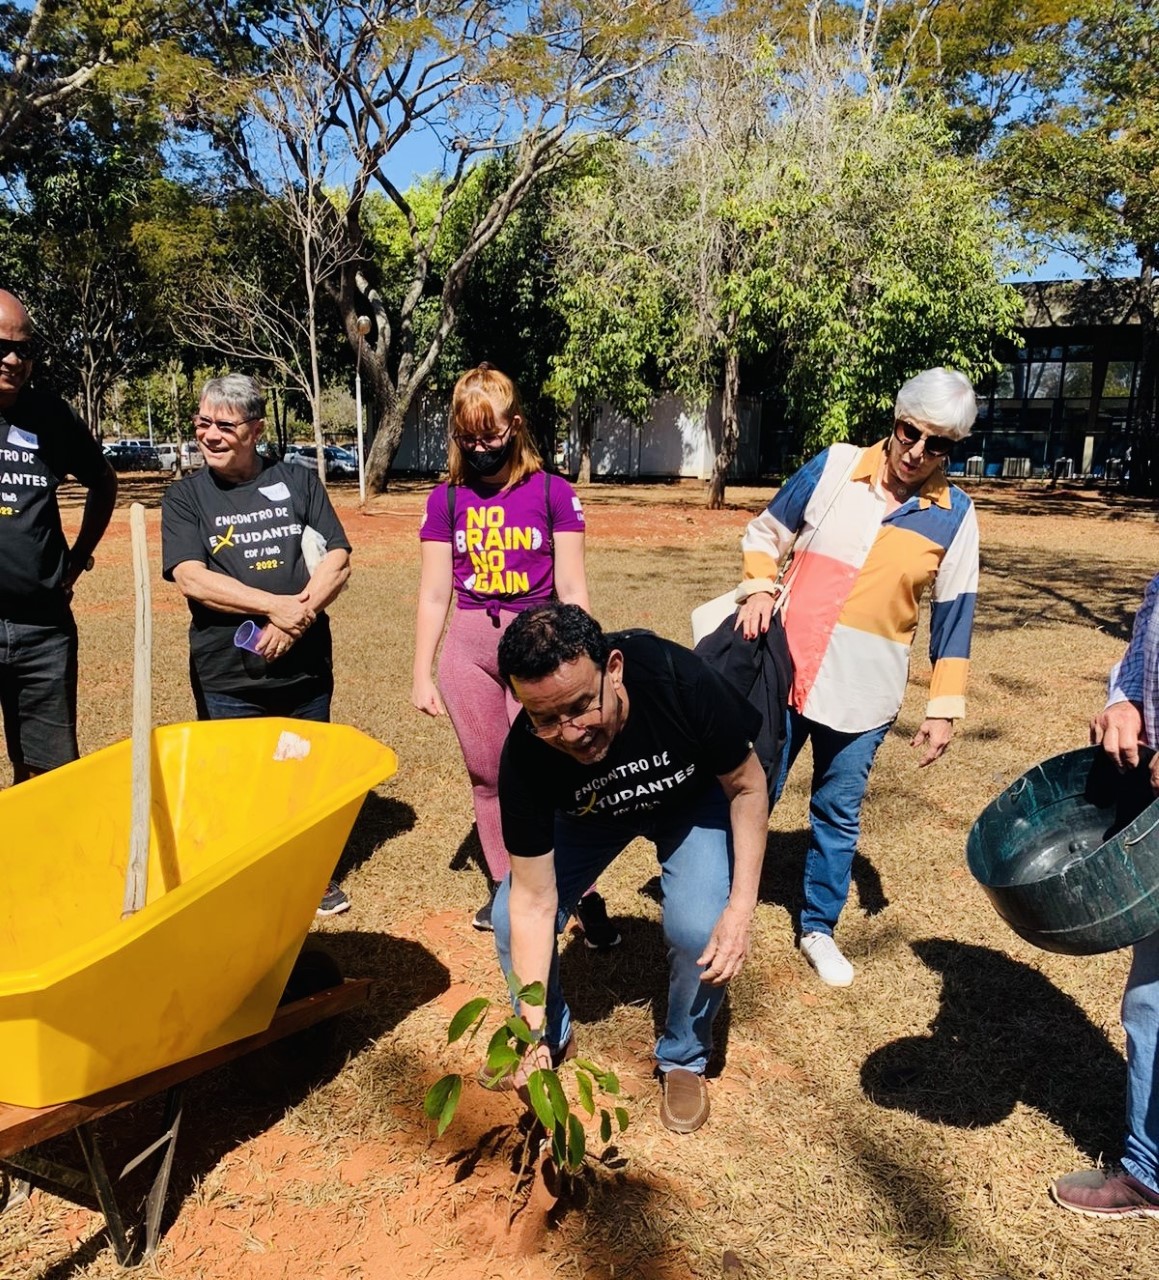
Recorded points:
(1062, 402)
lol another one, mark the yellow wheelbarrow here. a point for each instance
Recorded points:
(247, 819)
(154, 898)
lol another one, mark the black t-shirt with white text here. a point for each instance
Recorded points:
(42, 440)
(686, 726)
(251, 532)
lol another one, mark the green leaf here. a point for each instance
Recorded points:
(610, 1083)
(520, 1030)
(537, 1089)
(621, 1118)
(442, 1099)
(500, 1038)
(471, 1012)
(586, 1064)
(532, 994)
(555, 1092)
(576, 1142)
(605, 1127)
(583, 1083)
(502, 1059)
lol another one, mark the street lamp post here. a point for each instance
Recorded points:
(363, 326)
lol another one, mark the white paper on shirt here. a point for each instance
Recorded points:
(25, 439)
(275, 492)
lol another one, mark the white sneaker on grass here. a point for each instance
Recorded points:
(825, 956)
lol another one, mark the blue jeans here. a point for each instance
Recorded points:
(38, 679)
(841, 765)
(1141, 1023)
(227, 706)
(694, 849)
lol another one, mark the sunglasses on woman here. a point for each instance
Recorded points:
(909, 435)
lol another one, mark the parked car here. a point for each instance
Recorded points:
(187, 453)
(132, 455)
(340, 463)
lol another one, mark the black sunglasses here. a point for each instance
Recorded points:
(25, 350)
(909, 435)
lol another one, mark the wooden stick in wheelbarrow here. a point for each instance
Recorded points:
(136, 878)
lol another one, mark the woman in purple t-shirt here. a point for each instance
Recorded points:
(501, 535)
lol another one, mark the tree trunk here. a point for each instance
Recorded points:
(729, 430)
(1143, 477)
(586, 420)
(387, 436)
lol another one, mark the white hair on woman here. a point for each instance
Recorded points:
(939, 398)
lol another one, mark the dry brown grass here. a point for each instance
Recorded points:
(903, 1128)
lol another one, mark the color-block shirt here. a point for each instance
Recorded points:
(1135, 677)
(855, 583)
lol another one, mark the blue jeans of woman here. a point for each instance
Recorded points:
(694, 849)
(841, 765)
(1141, 1023)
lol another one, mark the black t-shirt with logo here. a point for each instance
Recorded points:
(685, 727)
(42, 441)
(251, 532)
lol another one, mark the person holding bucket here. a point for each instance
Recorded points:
(868, 531)
(256, 548)
(500, 536)
(1130, 1189)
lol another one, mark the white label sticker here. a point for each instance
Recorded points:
(275, 492)
(291, 747)
(25, 439)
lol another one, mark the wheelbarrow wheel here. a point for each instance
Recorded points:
(13, 1191)
(291, 1063)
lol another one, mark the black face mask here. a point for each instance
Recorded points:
(486, 462)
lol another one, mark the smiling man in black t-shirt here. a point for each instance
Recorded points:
(41, 442)
(624, 735)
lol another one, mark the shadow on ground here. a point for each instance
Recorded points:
(1039, 587)
(783, 875)
(234, 1104)
(381, 818)
(1003, 1034)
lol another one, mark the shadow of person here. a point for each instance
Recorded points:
(783, 877)
(1003, 1034)
(381, 818)
(469, 853)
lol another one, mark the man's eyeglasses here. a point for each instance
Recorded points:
(909, 435)
(25, 350)
(473, 443)
(223, 425)
(553, 728)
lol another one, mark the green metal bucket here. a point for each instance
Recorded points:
(1069, 854)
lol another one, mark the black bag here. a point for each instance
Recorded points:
(762, 671)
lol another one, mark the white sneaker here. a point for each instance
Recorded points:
(825, 956)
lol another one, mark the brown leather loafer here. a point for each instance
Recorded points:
(684, 1104)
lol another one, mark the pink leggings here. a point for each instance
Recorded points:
(481, 709)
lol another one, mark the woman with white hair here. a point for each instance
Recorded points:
(869, 530)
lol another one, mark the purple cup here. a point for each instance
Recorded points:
(248, 635)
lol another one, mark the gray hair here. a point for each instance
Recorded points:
(939, 398)
(239, 391)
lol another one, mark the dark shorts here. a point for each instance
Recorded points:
(38, 692)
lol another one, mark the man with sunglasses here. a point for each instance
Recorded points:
(41, 442)
(620, 736)
(868, 531)
(249, 539)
